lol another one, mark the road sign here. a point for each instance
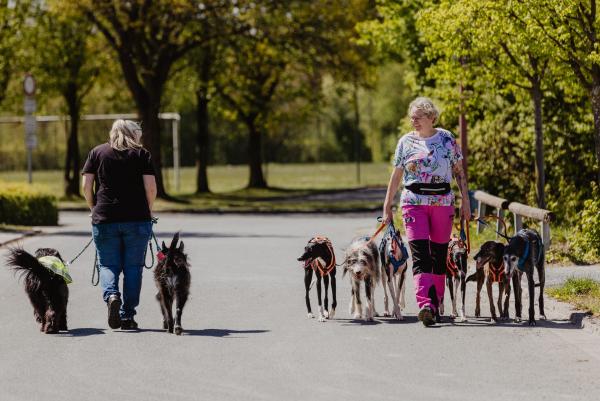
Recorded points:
(29, 85)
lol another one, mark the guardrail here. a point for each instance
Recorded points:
(518, 210)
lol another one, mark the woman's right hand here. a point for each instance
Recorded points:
(388, 215)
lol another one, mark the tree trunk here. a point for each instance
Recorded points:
(72, 159)
(536, 97)
(202, 141)
(595, 95)
(257, 179)
(148, 111)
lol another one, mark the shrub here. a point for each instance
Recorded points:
(20, 204)
(586, 244)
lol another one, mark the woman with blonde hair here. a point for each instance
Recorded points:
(119, 188)
(425, 161)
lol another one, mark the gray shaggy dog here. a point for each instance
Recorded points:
(362, 262)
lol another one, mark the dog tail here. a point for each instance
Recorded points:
(474, 276)
(24, 263)
(174, 241)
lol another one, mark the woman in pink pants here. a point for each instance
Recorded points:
(425, 161)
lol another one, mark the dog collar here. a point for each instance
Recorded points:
(56, 266)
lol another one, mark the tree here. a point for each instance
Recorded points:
(500, 49)
(66, 62)
(286, 40)
(148, 36)
(572, 29)
(12, 15)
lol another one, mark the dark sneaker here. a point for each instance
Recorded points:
(114, 304)
(129, 324)
(426, 316)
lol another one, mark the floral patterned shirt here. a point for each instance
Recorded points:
(427, 160)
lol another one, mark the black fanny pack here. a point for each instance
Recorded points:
(429, 188)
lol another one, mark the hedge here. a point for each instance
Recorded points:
(21, 204)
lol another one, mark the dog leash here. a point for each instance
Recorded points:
(159, 254)
(506, 237)
(80, 253)
(379, 229)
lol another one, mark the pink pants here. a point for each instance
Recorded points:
(428, 230)
(433, 223)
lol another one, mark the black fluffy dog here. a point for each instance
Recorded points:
(47, 291)
(523, 254)
(319, 257)
(172, 278)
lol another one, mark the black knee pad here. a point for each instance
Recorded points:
(421, 256)
(439, 253)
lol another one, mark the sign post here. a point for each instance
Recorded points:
(30, 121)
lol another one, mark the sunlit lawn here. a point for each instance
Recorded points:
(228, 183)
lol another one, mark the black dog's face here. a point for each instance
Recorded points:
(490, 251)
(312, 251)
(513, 251)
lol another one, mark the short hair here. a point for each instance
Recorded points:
(425, 105)
(122, 135)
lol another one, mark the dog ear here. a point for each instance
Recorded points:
(181, 247)
(164, 247)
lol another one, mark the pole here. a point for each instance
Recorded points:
(175, 132)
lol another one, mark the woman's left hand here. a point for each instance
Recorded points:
(465, 211)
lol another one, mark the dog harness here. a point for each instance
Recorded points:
(523, 259)
(496, 273)
(315, 264)
(396, 244)
(56, 266)
(451, 267)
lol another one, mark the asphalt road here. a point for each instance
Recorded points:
(247, 336)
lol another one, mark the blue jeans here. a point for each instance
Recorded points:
(121, 248)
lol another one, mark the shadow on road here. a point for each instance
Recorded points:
(82, 332)
(208, 332)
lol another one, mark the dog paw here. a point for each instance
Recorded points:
(517, 319)
(532, 322)
(461, 319)
(326, 314)
(310, 315)
(542, 317)
(331, 314)
(386, 314)
(357, 316)
(178, 330)
(322, 318)
(399, 316)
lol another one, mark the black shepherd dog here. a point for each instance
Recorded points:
(47, 291)
(172, 278)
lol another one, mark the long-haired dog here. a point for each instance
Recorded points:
(524, 253)
(172, 278)
(46, 290)
(393, 256)
(456, 274)
(362, 262)
(490, 268)
(319, 257)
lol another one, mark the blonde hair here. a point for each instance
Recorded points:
(122, 135)
(425, 105)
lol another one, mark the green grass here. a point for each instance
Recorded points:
(286, 183)
(584, 293)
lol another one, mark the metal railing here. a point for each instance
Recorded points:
(519, 210)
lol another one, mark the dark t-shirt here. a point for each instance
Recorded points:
(119, 194)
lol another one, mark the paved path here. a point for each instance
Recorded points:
(247, 336)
